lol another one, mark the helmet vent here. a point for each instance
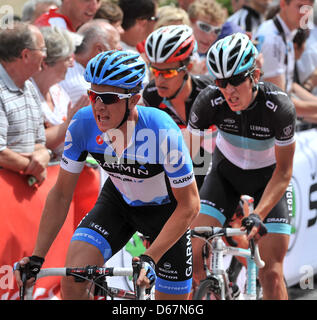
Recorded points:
(183, 50)
(100, 66)
(233, 56)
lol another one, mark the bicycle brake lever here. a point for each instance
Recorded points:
(22, 288)
(252, 247)
(137, 266)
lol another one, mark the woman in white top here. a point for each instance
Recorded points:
(56, 104)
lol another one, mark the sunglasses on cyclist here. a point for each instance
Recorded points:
(234, 81)
(167, 73)
(108, 97)
(208, 28)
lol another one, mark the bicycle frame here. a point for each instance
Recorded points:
(219, 250)
(100, 271)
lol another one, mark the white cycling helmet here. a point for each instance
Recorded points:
(231, 55)
(170, 44)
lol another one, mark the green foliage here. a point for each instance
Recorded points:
(226, 4)
(167, 3)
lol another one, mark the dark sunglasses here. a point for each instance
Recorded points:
(108, 97)
(234, 81)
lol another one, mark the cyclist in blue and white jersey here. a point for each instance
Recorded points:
(254, 153)
(151, 186)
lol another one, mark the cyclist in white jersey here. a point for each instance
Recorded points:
(151, 186)
(253, 155)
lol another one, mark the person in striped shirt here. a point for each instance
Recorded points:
(22, 134)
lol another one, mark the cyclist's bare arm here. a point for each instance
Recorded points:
(187, 209)
(278, 182)
(54, 214)
(55, 211)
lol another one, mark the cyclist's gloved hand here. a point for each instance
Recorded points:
(149, 266)
(254, 220)
(31, 268)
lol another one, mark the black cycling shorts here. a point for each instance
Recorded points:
(226, 182)
(112, 223)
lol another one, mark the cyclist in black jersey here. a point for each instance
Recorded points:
(169, 50)
(151, 186)
(254, 153)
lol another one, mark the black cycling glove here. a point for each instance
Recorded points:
(32, 268)
(254, 220)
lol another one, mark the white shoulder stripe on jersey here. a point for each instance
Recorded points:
(71, 165)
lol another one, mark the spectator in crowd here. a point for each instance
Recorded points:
(207, 18)
(237, 4)
(184, 4)
(174, 89)
(71, 14)
(307, 64)
(55, 102)
(275, 41)
(299, 42)
(32, 9)
(170, 15)
(139, 19)
(111, 12)
(98, 35)
(250, 15)
(22, 134)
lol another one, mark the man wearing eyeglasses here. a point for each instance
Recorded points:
(207, 18)
(22, 134)
(253, 155)
(151, 186)
(169, 50)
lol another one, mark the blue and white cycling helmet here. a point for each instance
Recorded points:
(122, 69)
(231, 55)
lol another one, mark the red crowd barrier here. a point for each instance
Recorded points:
(20, 212)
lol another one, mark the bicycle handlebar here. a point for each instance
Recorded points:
(211, 232)
(86, 273)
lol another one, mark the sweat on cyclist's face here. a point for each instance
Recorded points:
(168, 77)
(107, 116)
(238, 97)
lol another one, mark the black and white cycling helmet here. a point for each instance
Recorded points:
(231, 55)
(170, 44)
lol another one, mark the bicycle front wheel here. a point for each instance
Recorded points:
(208, 290)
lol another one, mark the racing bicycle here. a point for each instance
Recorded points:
(218, 284)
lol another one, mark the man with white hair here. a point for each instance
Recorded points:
(32, 9)
(98, 36)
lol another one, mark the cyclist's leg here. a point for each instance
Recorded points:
(102, 233)
(273, 248)
(79, 254)
(174, 269)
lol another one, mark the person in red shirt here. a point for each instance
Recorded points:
(71, 15)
